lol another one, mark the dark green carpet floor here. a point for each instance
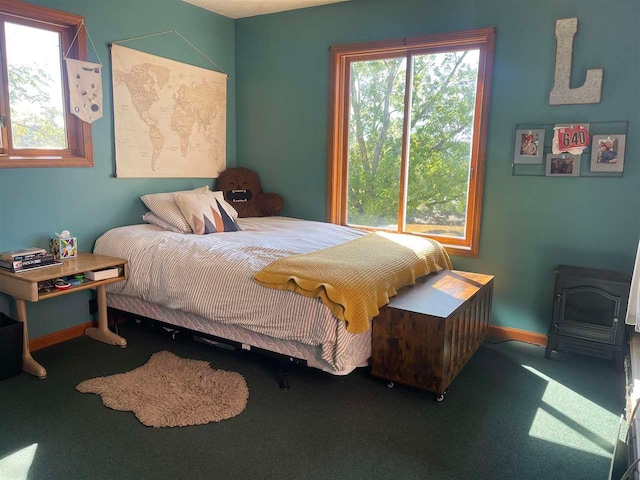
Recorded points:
(510, 414)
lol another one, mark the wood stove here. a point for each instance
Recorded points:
(589, 309)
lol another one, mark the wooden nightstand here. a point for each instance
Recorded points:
(23, 287)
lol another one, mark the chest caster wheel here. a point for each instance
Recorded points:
(441, 396)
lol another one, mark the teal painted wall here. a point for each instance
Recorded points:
(529, 224)
(35, 203)
(278, 65)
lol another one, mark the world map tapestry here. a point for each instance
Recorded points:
(170, 118)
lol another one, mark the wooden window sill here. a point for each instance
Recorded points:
(45, 161)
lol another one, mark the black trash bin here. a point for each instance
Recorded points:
(10, 346)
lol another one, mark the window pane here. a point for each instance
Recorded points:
(35, 87)
(442, 110)
(375, 142)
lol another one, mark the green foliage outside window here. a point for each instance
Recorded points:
(33, 127)
(441, 123)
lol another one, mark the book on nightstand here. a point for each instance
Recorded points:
(28, 264)
(22, 254)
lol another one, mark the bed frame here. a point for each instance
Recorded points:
(120, 316)
(422, 338)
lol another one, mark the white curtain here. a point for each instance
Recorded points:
(633, 310)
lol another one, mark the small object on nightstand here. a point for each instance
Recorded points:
(62, 284)
(103, 274)
(64, 246)
(46, 286)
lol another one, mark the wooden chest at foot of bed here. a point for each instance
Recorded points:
(428, 332)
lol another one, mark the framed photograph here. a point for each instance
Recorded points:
(528, 146)
(563, 165)
(607, 153)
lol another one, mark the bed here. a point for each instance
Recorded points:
(205, 283)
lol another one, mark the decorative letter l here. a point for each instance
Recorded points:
(562, 94)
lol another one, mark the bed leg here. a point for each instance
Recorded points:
(283, 376)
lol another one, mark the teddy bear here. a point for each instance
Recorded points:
(242, 189)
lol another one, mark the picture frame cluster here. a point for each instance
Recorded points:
(606, 152)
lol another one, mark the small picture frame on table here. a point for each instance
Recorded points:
(529, 144)
(563, 165)
(607, 153)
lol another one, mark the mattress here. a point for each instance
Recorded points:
(207, 280)
(356, 355)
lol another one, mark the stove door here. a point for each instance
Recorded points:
(587, 312)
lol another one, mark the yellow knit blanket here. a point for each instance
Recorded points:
(356, 278)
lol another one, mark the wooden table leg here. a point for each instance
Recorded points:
(102, 332)
(29, 365)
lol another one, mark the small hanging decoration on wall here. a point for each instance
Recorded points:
(562, 93)
(572, 138)
(85, 85)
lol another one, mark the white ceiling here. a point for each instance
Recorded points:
(250, 8)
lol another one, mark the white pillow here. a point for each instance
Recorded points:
(164, 206)
(153, 219)
(205, 212)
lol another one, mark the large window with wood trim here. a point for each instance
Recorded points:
(407, 134)
(37, 129)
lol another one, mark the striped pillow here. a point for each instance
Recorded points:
(164, 206)
(206, 213)
(153, 219)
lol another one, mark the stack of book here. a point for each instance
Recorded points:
(26, 259)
